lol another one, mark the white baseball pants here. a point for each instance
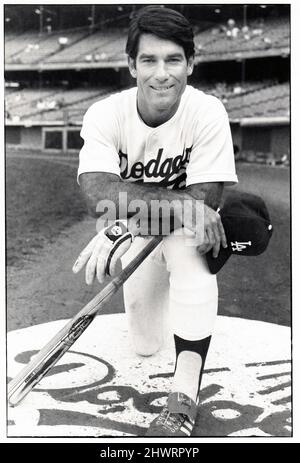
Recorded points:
(172, 290)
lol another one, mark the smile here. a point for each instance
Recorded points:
(162, 89)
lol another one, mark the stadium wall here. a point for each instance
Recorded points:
(63, 139)
(31, 136)
(271, 141)
(13, 136)
(23, 137)
(280, 141)
(236, 137)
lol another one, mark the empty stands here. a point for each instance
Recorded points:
(252, 99)
(105, 45)
(57, 102)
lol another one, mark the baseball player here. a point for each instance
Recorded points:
(162, 140)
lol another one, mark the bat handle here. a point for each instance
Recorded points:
(120, 279)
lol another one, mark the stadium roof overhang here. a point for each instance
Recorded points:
(64, 66)
(264, 121)
(243, 122)
(28, 123)
(283, 52)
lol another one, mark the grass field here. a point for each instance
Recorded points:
(42, 199)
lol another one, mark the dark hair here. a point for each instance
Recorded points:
(164, 23)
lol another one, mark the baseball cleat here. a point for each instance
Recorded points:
(176, 419)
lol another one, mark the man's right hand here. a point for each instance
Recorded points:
(103, 251)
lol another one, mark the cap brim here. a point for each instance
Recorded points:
(216, 263)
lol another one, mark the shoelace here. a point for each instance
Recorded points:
(172, 421)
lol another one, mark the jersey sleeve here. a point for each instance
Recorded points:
(212, 156)
(100, 134)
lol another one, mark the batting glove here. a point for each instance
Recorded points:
(103, 251)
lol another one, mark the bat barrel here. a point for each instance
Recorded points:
(39, 366)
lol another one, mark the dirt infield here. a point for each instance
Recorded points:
(42, 199)
(46, 289)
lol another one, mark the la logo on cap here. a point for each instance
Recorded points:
(239, 246)
(247, 227)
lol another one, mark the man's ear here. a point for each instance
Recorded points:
(190, 67)
(132, 68)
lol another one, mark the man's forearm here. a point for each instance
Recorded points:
(211, 193)
(97, 187)
(158, 203)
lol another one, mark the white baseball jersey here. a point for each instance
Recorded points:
(194, 146)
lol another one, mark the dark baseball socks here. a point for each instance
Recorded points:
(190, 360)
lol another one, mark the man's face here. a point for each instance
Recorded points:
(161, 70)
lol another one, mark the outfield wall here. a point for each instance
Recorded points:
(55, 138)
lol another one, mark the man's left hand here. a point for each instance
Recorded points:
(214, 234)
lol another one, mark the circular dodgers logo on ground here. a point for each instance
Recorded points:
(102, 388)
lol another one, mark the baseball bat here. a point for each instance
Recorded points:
(47, 357)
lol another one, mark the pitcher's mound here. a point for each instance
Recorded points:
(102, 388)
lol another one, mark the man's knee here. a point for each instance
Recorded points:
(146, 347)
(146, 337)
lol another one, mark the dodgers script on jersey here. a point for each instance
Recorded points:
(194, 146)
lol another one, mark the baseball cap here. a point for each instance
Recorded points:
(247, 226)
